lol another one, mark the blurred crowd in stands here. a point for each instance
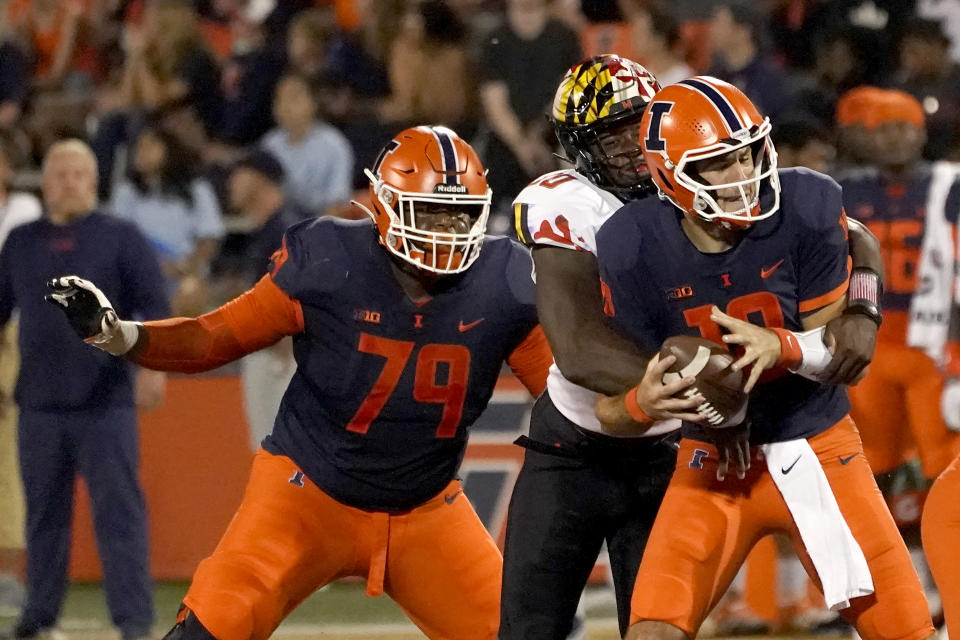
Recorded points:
(173, 94)
(217, 123)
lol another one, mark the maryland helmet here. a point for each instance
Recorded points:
(598, 96)
(702, 118)
(422, 170)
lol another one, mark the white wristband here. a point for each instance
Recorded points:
(816, 356)
(118, 339)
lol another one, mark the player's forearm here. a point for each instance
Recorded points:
(864, 248)
(257, 319)
(596, 357)
(587, 349)
(186, 345)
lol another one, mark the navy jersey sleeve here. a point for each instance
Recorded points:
(823, 253)
(144, 285)
(311, 259)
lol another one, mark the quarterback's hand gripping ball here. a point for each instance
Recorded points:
(724, 401)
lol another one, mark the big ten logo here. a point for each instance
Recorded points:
(366, 315)
(679, 293)
(492, 461)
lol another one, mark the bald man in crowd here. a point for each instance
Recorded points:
(78, 413)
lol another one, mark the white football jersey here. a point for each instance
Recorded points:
(564, 209)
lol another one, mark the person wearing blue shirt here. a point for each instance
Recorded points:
(316, 157)
(77, 409)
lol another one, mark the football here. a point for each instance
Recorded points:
(720, 386)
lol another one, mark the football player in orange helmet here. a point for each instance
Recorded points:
(709, 153)
(712, 157)
(430, 199)
(397, 351)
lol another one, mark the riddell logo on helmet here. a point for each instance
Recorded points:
(450, 188)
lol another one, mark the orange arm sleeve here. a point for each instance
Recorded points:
(256, 319)
(531, 361)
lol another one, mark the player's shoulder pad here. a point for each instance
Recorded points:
(516, 267)
(564, 192)
(809, 198)
(314, 257)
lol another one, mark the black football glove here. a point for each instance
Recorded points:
(91, 315)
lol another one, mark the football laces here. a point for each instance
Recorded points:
(714, 417)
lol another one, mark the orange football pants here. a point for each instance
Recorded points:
(289, 538)
(898, 405)
(705, 528)
(940, 529)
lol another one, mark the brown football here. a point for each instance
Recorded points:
(720, 386)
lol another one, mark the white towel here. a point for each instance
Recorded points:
(835, 553)
(930, 303)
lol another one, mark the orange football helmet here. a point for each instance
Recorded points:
(422, 168)
(700, 118)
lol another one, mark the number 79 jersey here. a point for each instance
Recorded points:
(377, 412)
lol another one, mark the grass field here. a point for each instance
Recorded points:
(340, 611)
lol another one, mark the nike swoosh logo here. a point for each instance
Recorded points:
(765, 273)
(788, 469)
(471, 325)
(449, 499)
(847, 459)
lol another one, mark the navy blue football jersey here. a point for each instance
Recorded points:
(895, 213)
(659, 285)
(377, 412)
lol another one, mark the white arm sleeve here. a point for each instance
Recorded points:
(816, 356)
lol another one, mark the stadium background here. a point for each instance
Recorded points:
(373, 67)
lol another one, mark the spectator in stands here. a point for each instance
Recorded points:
(929, 74)
(14, 81)
(656, 41)
(316, 157)
(736, 31)
(249, 78)
(839, 65)
(310, 34)
(177, 212)
(15, 209)
(167, 60)
(359, 60)
(803, 142)
(52, 28)
(603, 27)
(447, 95)
(521, 64)
(256, 192)
(77, 411)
